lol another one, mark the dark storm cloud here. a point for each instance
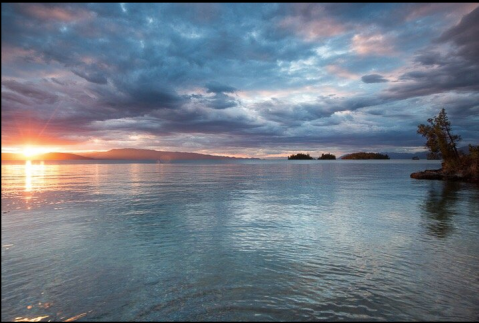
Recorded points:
(221, 101)
(141, 97)
(373, 78)
(464, 35)
(219, 88)
(322, 107)
(454, 70)
(255, 71)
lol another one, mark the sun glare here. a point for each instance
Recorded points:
(32, 151)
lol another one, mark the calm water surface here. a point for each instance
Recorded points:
(259, 240)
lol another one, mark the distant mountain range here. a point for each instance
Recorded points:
(121, 154)
(148, 154)
(421, 155)
(47, 156)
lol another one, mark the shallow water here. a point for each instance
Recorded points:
(256, 240)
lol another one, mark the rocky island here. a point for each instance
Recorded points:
(363, 155)
(300, 156)
(327, 157)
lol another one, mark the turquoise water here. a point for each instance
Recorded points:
(257, 240)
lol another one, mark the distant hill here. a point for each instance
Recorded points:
(147, 154)
(11, 156)
(47, 156)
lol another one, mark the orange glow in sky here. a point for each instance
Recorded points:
(29, 151)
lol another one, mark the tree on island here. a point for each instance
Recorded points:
(441, 142)
(300, 156)
(363, 155)
(327, 156)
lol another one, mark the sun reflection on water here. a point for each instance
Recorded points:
(28, 176)
(34, 319)
(34, 175)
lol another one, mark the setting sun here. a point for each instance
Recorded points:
(32, 151)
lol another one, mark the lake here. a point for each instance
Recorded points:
(245, 240)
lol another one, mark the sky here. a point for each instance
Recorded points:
(258, 80)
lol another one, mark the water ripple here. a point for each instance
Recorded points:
(262, 241)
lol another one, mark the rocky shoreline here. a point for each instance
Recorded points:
(439, 174)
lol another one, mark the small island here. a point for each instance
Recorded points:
(327, 157)
(456, 166)
(300, 156)
(363, 155)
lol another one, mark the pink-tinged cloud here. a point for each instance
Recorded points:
(426, 9)
(12, 53)
(341, 72)
(38, 134)
(372, 44)
(256, 95)
(311, 22)
(49, 13)
(312, 30)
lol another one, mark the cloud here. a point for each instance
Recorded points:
(373, 78)
(90, 76)
(372, 44)
(456, 69)
(221, 101)
(311, 22)
(47, 12)
(219, 88)
(248, 75)
(341, 72)
(464, 36)
(30, 91)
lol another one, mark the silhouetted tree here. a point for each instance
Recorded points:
(440, 140)
(470, 163)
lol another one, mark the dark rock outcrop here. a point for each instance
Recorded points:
(439, 174)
